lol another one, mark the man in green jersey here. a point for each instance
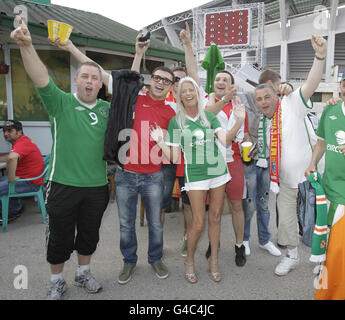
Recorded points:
(77, 194)
(331, 140)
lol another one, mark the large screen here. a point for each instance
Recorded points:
(228, 28)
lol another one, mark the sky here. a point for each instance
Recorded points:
(133, 13)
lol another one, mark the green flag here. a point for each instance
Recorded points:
(212, 63)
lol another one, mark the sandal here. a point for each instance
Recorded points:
(190, 276)
(214, 276)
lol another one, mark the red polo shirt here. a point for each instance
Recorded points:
(30, 162)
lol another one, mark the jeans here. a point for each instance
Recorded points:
(258, 187)
(21, 187)
(169, 174)
(150, 187)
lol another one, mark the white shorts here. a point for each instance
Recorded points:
(207, 184)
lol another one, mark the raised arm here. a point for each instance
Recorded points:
(140, 49)
(33, 65)
(320, 47)
(78, 55)
(191, 63)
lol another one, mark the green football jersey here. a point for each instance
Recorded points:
(332, 130)
(78, 138)
(202, 157)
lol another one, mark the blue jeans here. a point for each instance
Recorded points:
(150, 187)
(258, 186)
(21, 187)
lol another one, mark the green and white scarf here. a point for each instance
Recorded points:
(321, 230)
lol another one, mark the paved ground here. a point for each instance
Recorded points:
(23, 245)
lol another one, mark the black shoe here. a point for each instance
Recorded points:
(240, 258)
(208, 251)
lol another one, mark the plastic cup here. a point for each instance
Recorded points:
(53, 29)
(246, 146)
(65, 31)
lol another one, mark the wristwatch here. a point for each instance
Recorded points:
(225, 101)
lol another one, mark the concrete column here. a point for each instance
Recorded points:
(331, 42)
(9, 95)
(284, 56)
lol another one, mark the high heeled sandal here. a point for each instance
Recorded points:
(214, 276)
(190, 276)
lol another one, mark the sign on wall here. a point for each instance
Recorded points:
(228, 28)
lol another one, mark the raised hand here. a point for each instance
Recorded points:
(185, 35)
(141, 47)
(320, 45)
(21, 35)
(231, 93)
(284, 90)
(156, 133)
(240, 112)
(59, 44)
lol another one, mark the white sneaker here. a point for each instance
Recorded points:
(246, 247)
(271, 248)
(286, 265)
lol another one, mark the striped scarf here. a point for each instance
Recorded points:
(319, 243)
(275, 146)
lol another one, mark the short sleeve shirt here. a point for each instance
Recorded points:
(30, 162)
(78, 138)
(332, 129)
(144, 155)
(202, 158)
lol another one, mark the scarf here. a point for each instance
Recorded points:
(319, 243)
(275, 147)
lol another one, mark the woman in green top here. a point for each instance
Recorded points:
(194, 130)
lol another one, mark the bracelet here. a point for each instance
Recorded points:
(318, 58)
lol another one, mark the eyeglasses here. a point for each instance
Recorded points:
(166, 81)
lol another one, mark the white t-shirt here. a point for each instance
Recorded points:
(296, 149)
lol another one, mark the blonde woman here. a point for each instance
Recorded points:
(195, 131)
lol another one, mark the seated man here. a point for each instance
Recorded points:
(23, 161)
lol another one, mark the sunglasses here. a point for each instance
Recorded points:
(165, 81)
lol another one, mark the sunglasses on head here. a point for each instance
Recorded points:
(165, 81)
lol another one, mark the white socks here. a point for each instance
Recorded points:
(59, 276)
(56, 277)
(293, 253)
(81, 269)
(239, 245)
